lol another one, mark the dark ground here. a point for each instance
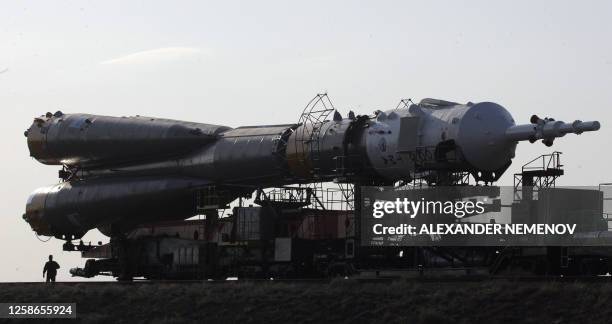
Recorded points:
(342, 301)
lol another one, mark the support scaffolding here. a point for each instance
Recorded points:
(541, 172)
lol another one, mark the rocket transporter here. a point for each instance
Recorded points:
(119, 172)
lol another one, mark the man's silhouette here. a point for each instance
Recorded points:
(51, 269)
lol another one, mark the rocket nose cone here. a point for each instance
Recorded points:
(482, 136)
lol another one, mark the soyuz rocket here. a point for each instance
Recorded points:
(119, 172)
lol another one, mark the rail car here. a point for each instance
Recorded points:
(306, 232)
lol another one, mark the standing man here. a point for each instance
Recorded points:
(51, 269)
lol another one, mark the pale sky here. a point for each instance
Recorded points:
(257, 62)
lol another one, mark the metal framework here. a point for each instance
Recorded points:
(312, 118)
(404, 104)
(314, 195)
(541, 172)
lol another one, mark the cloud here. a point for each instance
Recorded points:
(158, 55)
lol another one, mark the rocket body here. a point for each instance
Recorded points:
(123, 171)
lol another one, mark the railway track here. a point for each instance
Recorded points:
(364, 280)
